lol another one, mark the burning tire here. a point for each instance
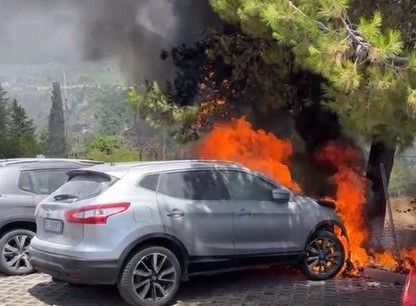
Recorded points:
(324, 256)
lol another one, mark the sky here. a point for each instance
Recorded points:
(133, 31)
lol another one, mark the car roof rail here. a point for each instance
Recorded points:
(15, 161)
(181, 161)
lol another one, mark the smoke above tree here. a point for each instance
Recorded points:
(134, 31)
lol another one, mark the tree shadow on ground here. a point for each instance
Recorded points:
(196, 291)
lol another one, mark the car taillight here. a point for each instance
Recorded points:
(409, 293)
(95, 214)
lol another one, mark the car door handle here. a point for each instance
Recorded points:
(175, 213)
(244, 212)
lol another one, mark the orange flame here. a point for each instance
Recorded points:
(262, 151)
(387, 260)
(350, 195)
(409, 258)
(258, 150)
(207, 109)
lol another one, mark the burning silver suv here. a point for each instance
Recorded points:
(147, 226)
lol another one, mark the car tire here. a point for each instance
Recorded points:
(14, 252)
(143, 283)
(324, 256)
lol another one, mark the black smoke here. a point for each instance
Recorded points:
(302, 118)
(133, 31)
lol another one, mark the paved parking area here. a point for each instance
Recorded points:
(272, 286)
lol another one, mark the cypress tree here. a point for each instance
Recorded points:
(56, 140)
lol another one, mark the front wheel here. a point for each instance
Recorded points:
(324, 256)
(150, 278)
(14, 252)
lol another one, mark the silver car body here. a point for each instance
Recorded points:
(18, 198)
(204, 230)
(24, 183)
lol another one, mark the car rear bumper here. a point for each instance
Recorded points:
(74, 270)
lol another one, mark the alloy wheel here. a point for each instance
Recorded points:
(15, 252)
(323, 256)
(154, 277)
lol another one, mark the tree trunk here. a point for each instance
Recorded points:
(380, 153)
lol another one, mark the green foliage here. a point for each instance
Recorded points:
(3, 122)
(371, 29)
(225, 74)
(43, 139)
(17, 131)
(152, 105)
(21, 133)
(111, 110)
(56, 140)
(109, 149)
(30, 85)
(368, 67)
(395, 15)
(19, 124)
(258, 70)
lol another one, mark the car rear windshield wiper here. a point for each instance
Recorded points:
(63, 197)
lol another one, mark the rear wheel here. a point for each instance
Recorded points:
(151, 277)
(324, 256)
(14, 247)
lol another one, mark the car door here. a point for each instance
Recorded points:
(16, 196)
(261, 224)
(194, 208)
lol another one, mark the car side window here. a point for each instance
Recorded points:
(47, 181)
(193, 185)
(150, 182)
(25, 181)
(247, 187)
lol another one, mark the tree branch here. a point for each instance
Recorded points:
(321, 25)
(362, 47)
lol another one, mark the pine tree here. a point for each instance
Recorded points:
(17, 131)
(20, 124)
(56, 140)
(370, 73)
(21, 136)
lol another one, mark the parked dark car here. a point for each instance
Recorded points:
(23, 184)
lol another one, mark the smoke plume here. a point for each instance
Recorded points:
(134, 31)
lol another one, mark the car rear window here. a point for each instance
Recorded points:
(83, 186)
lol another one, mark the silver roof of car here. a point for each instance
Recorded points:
(119, 169)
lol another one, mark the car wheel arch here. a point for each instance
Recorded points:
(26, 224)
(327, 225)
(164, 240)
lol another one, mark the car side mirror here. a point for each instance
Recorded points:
(281, 195)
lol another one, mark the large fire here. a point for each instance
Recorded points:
(262, 151)
(350, 195)
(258, 150)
